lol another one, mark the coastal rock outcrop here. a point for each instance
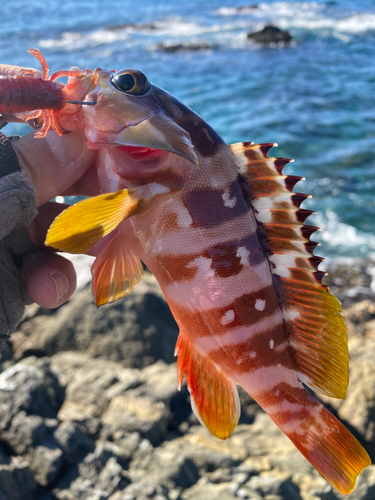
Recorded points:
(270, 35)
(80, 421)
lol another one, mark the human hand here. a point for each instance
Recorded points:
(54, 166)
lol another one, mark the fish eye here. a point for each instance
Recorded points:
(131, 81)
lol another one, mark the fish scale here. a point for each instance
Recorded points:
(223, 232)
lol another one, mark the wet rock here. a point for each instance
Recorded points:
(138, 330)
(133, 26)
(16, 481)
(245, 8)
(270, 35)
(171, 48)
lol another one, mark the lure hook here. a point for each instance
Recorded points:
(88, 103)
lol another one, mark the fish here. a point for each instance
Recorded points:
(224, 234)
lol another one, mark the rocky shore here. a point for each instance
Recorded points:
(89, 409)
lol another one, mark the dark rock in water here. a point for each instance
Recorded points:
(250, 7)
(185, 47)
(146, 26)
(270, 35)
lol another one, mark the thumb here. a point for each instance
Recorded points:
(53, 164)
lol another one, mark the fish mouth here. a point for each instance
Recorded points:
(140, 165)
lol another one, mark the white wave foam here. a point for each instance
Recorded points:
(343, 239)
(312, 16)
(309, 16)
(76, 41)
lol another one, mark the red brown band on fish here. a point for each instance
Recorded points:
(227, 259)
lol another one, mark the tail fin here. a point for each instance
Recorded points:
(326, 443)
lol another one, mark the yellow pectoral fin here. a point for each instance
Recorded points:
(82, 225)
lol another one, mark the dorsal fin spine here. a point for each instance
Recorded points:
(313, 320)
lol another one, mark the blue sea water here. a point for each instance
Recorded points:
(314, 98)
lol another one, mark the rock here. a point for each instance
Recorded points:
(160, 383)
(93, 428)
(96, 477)
(82, 414)
(93, 382)
(142, 490)
(70, 438)
(274, 483)
(203, 490)
(46, 464)
(16, 481)
(170, 48)
(24, 431)
(168, 467)
(245, 8)
(138, 414)
(133, 26)
(270, 35)
(31, 387)
(137, 330)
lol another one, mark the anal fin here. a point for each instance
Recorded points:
(214, 396)
(116, 270)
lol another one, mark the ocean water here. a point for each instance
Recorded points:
(314, 98)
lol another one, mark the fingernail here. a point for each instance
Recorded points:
(61, 284)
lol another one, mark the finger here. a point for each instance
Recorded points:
(87, 185)
(53, 164)
(49, 278)
(38, 228)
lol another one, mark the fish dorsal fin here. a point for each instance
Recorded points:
(313, 320)
(116, 270)
(214, 397)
